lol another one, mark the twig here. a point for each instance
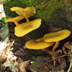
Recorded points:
(54, 59)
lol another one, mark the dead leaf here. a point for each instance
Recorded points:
(67, 48)
(57, 53)
(24, 65)
(5, 53)
(67, 45)
(19, 60)
(63, 64)
(46, 68)
(59, 62)
(63, 48)
(50, 66)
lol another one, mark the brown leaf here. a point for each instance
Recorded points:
(59, 62)
(67, 45)
(46, 68)
(63, 48)
(63, 64)
(57, 53)
(5, 54)
(24, 64)
(50, 66)
(7, 50)
(67, 48)
(19, 60)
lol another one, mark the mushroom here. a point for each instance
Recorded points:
(15, 19)
(24, 28)
(56, 37)
(39, 44)
(34, 44)
(26, 12)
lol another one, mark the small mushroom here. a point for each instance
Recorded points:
(26, 12)
(15, 19)
(39, 44)
(44, 49)
(56, 37)
(24, 28)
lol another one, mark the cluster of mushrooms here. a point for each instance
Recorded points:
(24, 28)
(48, 40)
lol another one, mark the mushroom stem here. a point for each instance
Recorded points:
(26, 18)
(55, 46)
(16, 23)
(48, 51)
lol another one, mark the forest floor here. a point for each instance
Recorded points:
(59, 61)
(42, 61)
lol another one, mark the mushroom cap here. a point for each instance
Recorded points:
(18, 18)
(24, 28)
(28, 11)
(34, 44)
(40, 39)
(56, 36)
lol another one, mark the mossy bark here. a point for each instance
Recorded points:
(50, 11)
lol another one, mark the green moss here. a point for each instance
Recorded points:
(3, 19)
(44, 10)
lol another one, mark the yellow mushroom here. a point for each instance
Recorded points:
(39, 44)
(15, 19)
(24, 28)
(26, 12)
(34, 44)
(56, 37)
(44, 49)
(48, 40)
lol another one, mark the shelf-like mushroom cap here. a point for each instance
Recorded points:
(28, 11)
(56, 36)
(34, 44)
(18, 18)
(40, 39)
(25, 28)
